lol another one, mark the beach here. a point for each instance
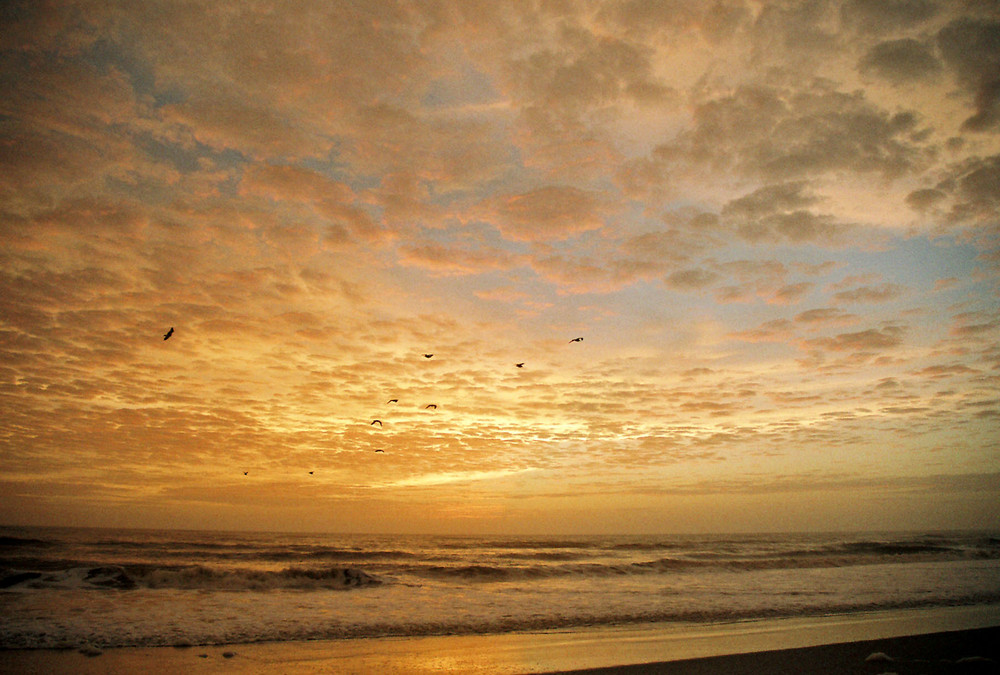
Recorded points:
(951, 640)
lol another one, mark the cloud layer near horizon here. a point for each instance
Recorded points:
(775, 226)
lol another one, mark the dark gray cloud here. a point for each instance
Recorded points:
(882, 16)
(900, 61)
(922, 200)
(970, 46)
(973, 187)
(776, 213)
(778, 134)
(587, 70)
(771, 199)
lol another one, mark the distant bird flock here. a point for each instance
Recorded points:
(429, 406)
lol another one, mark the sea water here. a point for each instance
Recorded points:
(113, 588)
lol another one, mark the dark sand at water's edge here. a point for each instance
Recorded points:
(969, 652)
(918, 641)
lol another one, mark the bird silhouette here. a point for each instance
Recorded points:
(168, 333)
(393, 400)
(379, 450)
(374, 422)
(427, 356)
(245, 472)
(310, 473)
(579, 339)
(430, 406)
(520, 365)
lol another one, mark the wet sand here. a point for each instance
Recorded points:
(931, 642)
(952, 653)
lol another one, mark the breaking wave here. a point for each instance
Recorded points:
(194, 577)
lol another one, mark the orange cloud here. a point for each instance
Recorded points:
(548, 213)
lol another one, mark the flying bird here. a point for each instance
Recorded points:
(310, 473)
(580, 339)
(374, 422)
(393, 400)
(520, 365)
(427, 356)
(379, 450)
(245, 472)
(430, 406)
(170, 332)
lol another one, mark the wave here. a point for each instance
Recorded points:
(542, 543)
(885, 548)
(258, 554)
(248, 562)
(248, 550)
(849, 557)
(194, 577)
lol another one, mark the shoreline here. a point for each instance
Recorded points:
(759, 646)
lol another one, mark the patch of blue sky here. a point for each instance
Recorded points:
(187, 157)
(336, 168)
(918, 262)
(467, 87)
(105, 54)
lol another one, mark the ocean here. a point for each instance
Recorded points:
(63, 587)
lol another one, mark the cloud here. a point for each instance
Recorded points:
(797, 227)
(979, 187)
(690, 279)
(770, 199)
(587, 70)
(548, 213)
(970, 46)
(777, 134)
(792, 293)
(871, 340)
(593, 274)
(457, 151)
(826, 316)
(967, 193)
(448, 477)
(456, 259)
(332, 202)
(868, 294)
(925, 199)
(507, 294)
(252, 130)
(973, 325)
(887, 15)
(900, 61)
(776, 330)
(669, 246)
(758, 279)
(941, 371)
(945, 284)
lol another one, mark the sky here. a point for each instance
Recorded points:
(774, 225)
